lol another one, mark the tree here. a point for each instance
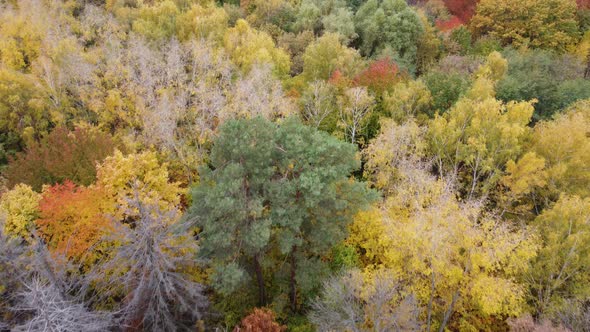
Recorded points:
(459, 261)
(202, 22)
(23, 109)
(41, 295)
(566, 155)
(449, 250)
(260, 320)
(560, 270)
(408, 99)
(389, 25)
(341, 22)
(326, 55)
(429, 45)
(275, 192)
(445, 88)
(73, 219)
(355, 107)
(62, 155)
(156, 21)
(120, 176)
(380, 76)
(358, 302)
(462, 9)
(150, 267)
(247, 46)
(395, 155)
(52, 311)
(319, 105)
(257, 93)
(554, 80)
(480, 134)
(548, 24)
(21, 208)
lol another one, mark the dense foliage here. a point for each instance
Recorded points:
(295, 165)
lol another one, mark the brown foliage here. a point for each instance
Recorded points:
(463, 9)
(260, 320)
(62, 155)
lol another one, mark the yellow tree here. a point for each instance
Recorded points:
(208, 22)
(408, 99)
(246, 46)
(326, 55)
(564, 143)
(562, 269)
(459, 260)
(547, 23)
(480, 134)
(21, 208)
(121, 176)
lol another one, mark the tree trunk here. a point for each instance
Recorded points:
(293, 282)
(260, 280)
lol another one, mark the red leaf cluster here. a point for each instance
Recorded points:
(381, 75)
(450, 24)
(260, 320)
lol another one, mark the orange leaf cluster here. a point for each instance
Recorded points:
(73, 218)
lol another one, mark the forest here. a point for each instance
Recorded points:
(295, 165)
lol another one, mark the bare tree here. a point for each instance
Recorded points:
(354, 108)
(318, 103)
(40, 293)
(52, 311)
(148, 269)
(350, 303)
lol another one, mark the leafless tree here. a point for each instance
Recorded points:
(318, 103)
(258, 93)
(40, 293)
(148, 269)
(354, 108)
(52, 311)
(350, 303)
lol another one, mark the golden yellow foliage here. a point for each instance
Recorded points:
(141, 173)
(247, 46)
(547, 23)
(21, 207)
(564, 143)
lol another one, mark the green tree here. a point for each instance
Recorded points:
(554, 80)
(389, 26)
(275, 193)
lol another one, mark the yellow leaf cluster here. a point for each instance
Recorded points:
(247, 46)
(140, 173)
(21, 207)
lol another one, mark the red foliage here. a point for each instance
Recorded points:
(583, 4)
(260, 320)
(336, 78)
(463, 9)
(72, 219)
(450, 24)
(61, 155)
(381, 75)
